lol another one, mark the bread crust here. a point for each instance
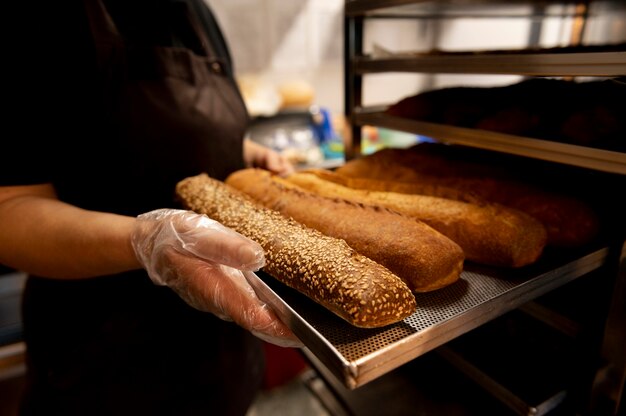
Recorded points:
(326, 269)
(489, 234)
(569, 221)
(425, 259)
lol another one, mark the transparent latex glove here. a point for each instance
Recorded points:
(202, 261)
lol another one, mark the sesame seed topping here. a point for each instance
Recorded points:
(324, 268)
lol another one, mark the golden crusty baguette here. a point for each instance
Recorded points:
(490, 234)
(569, 221)
(420, 188)
(326, 269)
(425, 259)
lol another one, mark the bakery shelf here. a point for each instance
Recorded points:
(597, 64)
(357, 356)
(413, 8)
(484, 355)
(463, 8)
(519, 405)
(586, 157)
(580, 57)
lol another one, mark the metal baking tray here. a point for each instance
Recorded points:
(356, 356)
(474, 8)
(597, 64)
(586, 157)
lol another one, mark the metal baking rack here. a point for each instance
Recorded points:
(599, 64)
(356, 356)
(581, 156)
(604, 389)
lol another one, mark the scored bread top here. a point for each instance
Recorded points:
(424, 258)
(326, 269)
(569, 220)
(489, 233)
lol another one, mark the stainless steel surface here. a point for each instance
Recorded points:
(602, 64)
(353, 84)
(467, 8)
(12, 361)
(549, 317)
(513, 401)
(587, 157)
(356, 356)
(610, 380)
(11, 287)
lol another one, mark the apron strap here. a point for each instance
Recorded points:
(104, 29)
(102, 25)
(198, 32)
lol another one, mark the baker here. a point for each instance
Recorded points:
(129, 302)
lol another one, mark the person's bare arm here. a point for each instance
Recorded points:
(198, 258)
(44, 236)
(258, 156)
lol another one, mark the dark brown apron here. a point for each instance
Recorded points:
(170, 101)
(119, 344)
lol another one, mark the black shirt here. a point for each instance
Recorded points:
(119, 344)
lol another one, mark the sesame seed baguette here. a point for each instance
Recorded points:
(424, 258)
(326, 269)
(488, 233)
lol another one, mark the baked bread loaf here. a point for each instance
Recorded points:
(425, 259)
(569, 221)
(490, 234)
(326, 269)
(583, 113)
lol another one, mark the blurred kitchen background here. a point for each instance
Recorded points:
(288, 56)
(289, 61)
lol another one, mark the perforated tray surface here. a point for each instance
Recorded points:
(356, 356)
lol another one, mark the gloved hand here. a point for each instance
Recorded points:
(201, 260)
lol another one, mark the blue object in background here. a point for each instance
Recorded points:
(329, 141)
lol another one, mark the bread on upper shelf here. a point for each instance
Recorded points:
(591, 113)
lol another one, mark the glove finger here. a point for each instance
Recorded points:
(207, 290)
(225, 292)
(259, 317)
(196, 234)
(270, 328)
(210, 240)
(278, 341)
